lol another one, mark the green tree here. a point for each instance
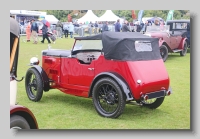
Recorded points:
(126, 14)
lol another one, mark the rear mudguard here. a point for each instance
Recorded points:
(122, 83)
(44, 77)
(181, 45)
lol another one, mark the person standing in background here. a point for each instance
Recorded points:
(105, 27)
(28, 31)
(117, 26)
(59, 27)
(66, 29)
(125, 27)
(71, 29)
(100, 25)
(34, 31)
(138, 27)
(96, 27)
(145, 26)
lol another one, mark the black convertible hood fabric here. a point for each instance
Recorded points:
(121, 46)
(14, 27)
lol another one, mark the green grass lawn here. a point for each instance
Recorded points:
(57, 110)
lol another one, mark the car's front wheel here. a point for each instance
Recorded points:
(108, 98)
(18, 122)
(164, 52)
(184, 51)
(33, 84)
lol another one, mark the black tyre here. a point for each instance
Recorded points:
(184, 51)
(18, 122)
(108, 99)
(34, 85)
(164, 52)
(153, 103)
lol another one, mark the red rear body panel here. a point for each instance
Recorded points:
(72, 77)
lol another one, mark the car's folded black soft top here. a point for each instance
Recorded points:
(127, 45)
(14, 27)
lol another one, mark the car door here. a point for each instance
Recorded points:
(79, 73)
(173, 42)
(173, 37)
(80, 67)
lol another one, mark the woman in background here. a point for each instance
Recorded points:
(28, 31)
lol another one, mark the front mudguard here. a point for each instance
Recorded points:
(160, 42)
(124, 86)
(44, 77)
(163, 42)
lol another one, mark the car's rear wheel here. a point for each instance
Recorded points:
(184, 51)
(108, 99)
(18, 122)
(33, 84)
(164, 52)
(153, 103)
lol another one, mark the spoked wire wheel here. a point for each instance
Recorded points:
(108, 98)
(33, 84)
(164, 52)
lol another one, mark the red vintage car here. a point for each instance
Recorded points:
(171, 39)
(113, 68)
(20, 116)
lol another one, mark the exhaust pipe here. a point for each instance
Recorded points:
(169, 91)
(145, 97)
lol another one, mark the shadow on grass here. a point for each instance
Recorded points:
(178, 53)
(66, 100)
(172, 56)
(81, 103)
(141, 112)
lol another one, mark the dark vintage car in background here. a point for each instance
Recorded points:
(112, 68)
(20, 116)
(171, 38)
(182, 26)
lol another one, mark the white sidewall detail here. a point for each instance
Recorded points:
(13, 92)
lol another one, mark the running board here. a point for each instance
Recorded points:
(177, 50)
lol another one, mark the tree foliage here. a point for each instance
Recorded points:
(125, 14)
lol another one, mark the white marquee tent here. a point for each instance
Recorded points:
(89, 16)
(51, 18)
(109, 16)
